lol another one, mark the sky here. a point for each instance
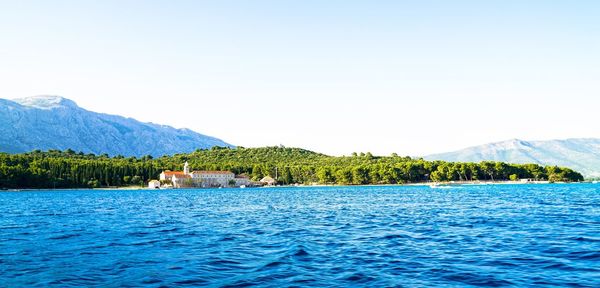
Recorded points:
(406, 77)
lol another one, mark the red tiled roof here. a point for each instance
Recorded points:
(212, 172)
(182, 176)
(171, 173)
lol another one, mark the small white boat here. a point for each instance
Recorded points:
(242, 186)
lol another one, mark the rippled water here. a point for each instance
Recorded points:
(523, 235)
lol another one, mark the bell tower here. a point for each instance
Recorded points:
(186, 168)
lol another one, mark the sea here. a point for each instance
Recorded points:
(530, 235)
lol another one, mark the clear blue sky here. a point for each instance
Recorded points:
(412, 77)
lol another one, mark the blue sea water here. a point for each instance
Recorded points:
(493, 235)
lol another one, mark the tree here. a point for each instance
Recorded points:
(437, 176)
(343, 176)
(136, 180)
(360, 175)
(286, 176)
(93, 184)
(488, 169)
(325, 175)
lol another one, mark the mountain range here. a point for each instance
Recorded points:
(580, 154)
(53, 122)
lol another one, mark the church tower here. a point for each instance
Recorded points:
(186, 168)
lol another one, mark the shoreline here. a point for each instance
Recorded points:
(431, 184)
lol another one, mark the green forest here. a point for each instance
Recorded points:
(70, 169)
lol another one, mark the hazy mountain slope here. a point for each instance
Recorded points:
(51, 122)
(582, 154)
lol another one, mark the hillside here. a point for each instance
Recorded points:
(581, 154)
(55, 169)
(52, 122)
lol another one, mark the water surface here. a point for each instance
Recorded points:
(494, 235)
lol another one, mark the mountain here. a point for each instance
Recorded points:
(580, 154)
(52, 122)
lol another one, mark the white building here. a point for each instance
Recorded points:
(179, 179)
(184, 178)
(242, 180)
(154, 184)
(213, 178)
(167, 175)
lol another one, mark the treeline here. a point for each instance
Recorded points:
(68, 169)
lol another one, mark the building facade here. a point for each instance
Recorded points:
(154, 184)
(214, 178)
(185, 178)
(241, 180)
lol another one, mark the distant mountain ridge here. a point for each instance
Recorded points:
(54, 122)
(580, 154)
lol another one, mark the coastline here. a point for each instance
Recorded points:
(430, 184)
